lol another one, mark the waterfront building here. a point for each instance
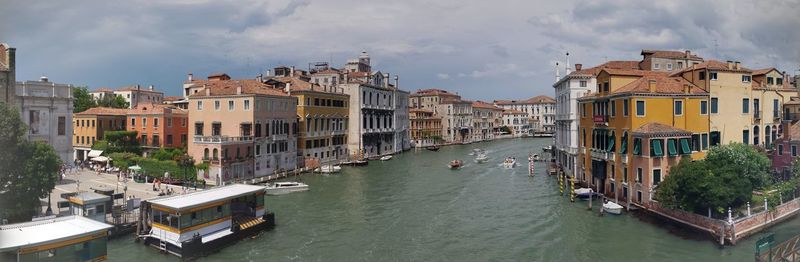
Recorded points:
(91, 125)
(540, 109)
(322, 115)
(634, 126)
(102, 93)
(518, 122)
(69, 238)
(486, 119)
(8, 74)
(134, 95)
(402, 138)
(770, 91)
(425, 127)
(46, 108)
(430, 99)
(456, 120)
(194, 224)
(573, 85)
(785, 147)
(667, 60)
(242, 128)
(159, 125)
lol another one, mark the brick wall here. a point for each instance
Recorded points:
(750, 225)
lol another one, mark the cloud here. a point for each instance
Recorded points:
(511, 47)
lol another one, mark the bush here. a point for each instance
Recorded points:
(167, 154)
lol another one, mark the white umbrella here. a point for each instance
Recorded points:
(135, 168)
(100, 159)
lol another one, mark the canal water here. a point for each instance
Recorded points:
(413, 208)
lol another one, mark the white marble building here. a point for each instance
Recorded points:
(46, 108)
(568, 89)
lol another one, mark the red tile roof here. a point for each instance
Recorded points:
(513, 112)
(484, 105)
(654, 128)
(104, 111)
(229, 87)
(763, 71)
(671, 54)
(610, 64)
(714, 65)
(434, 92)
(172, 98)
(664, 84)
(532, 100)
(104, 90)
(154, 109)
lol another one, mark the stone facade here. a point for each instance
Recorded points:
(46, 108)
(8, 74)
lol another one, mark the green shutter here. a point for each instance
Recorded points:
(624, 145)
(655, 147)
(637, 146)
(685, 149)
(672, 147)
(611, 144)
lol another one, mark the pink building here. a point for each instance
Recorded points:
(242, 128)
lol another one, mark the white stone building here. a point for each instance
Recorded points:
(402, 137)
(517, 121)
(540, 109)
(46, 108)
(456, 120)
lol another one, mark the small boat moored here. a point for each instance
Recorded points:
(585, 193)
(355, 163)
(455, 164)
(612, 208)
(386, 158)
(433, 148)
(328, 169)
(280, 188)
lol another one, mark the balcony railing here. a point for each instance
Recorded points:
(223, 139)
(776, 114)
(791, 116)
(757, 114)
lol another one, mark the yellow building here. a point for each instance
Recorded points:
(634, 126)
(771, 90)
(91, 125)
(322, 115)
(425, 127)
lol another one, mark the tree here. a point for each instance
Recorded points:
(119, 141)
(28, 170)
(113, 101)
(82, 99)
(743, 160)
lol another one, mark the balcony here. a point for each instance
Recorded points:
(223, 139)
(776, 115)
(624, 158)
(600, 119)
(597, 153)
(757, 115)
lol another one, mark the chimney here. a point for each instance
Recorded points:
(578, 67)
(386, 80)
(138, 87)
(12, 58)
(208, 91)
(291, 72)
(239, 90)
(396, 81)
(686, 89)
(738, 65)
(558, 74)
(652, 85)
(151, 87)
(288, 88)
(191, 77)
(688, 53)
(567, 65)
(268, 72)
(260, 78)
(730, 64)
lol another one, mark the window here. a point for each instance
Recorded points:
(613, 108)
(680, 65)
(199, 105)
(745, 106)
(246, 104)
(656, 176)
(155, 122)
(745, 78)
(780, 149)
(669, 67)
(779, 81)
(231, 105)
(656, 147)
(712, 75)
(714, 105)
(258, 150)
(198, 129)
(639, 108)
(62, 125)
(703, 107)
(639, 174)
(769, 80)
(216, 129)
(794, 150)
(678, 108)
(625, 175)
(745, 136)
(625, 107)
(169, 139)
(605, 87)
(656, 66)
(169, 122)
(216, 105)
(701, 75)
(582, 83)
(144, 122)
(705, 141)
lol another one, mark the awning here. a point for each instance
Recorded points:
(685, 149)
(100, 159)
(637, 146)
(611, 144)
(135, 168)
(672, 147)
(624, 145)
(656, 147)
(94, 153)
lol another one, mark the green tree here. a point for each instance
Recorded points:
(28, 170)
(743, 160)
(120, 141)
(113, 101)
(82, 99)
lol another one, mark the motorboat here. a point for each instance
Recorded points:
(612, 208)
(280, 188)
(327, 169)
(386, 158)
(456, 164)
(355, 163)
(510, 162)
(547, 148)
(433, 148)
(584, 193)
(481, 158)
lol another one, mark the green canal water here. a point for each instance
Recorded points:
(413, 208)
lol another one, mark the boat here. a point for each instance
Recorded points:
(510, 162)
(585, 193)
(534, 157)
(433, 148)
(481, 158)
(327, 169)
(386, 158)
(355, 163)
(280, 188)
(455, 164)
(612, 208)
(547, 148)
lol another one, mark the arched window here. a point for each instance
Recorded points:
(216, 154)
(756, 135)
(768, 136)
(205, 153)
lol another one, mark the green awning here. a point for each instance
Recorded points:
(611, 144)
(656, 147)
(685, 149)
(624, 145)
(672, 147)
(637, 146)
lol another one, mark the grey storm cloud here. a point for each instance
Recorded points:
(482, 49)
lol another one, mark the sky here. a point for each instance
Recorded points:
(483, 50)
